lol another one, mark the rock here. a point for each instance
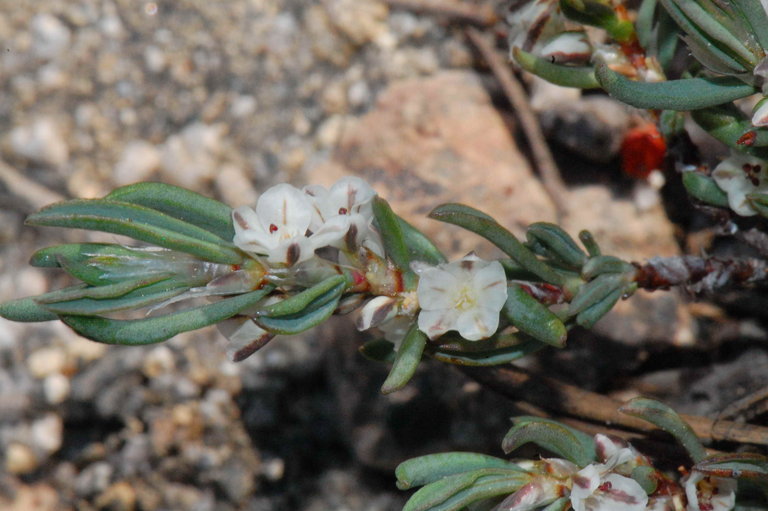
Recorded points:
(36, 497)
(158, 361)
(137, 162)
(361, 21)
(56, 388)
(190, 158)
(41, 141)
(20, 459)
(120, 496)
(47, 433)
(47, 361)
(94, 479)
(234, 187)
(50, 36)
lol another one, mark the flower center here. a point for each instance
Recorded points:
(466, 298)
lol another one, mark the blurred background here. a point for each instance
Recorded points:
(228, 98)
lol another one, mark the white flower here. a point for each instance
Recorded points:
(707, 493)
(534, 23)
(279, 228)
(465, 295)
(245, 337)
(549, 482)
(738, 176)
(392, 315)
(760, 114)
(346, 204)
(596, 488)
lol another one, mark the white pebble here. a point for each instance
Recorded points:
(56, 388)
(42, 141)
(46, 361)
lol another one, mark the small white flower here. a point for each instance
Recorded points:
(279, 228)
(245, 337)
(739, 175)
(346, 204)
(707, 493)
(531, 25)
(466, 295)
(596, 488)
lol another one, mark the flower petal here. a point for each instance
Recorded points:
(437, 289)
(477, 323)
(435, 323)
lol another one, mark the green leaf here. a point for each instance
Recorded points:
(157, 329)
(553, 436)
(98, 292)
(561, 504)
(757, 18)
(684, 94)
(705, 189)
(406, 361)
(378, 350)
(136, 299)
(50, 257)
(186, 205)
(25, 310)
(420, 248)
(315, 311)
(533, 318)
(741, 465)
(391, 230)
(665, 418)
(487, 358)
(140, 223)
(565, 76)
(592, 314)
(595, 291)
(432, 467)
(731, 126)
(598, 14)
(558, 244)
(586, 238)
(605, 264)
(485, 226)
(454, 493)
(300, 301)
(647, 477)
(759, 202)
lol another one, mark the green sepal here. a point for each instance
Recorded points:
(420, 248)
(406, 360)
(665, 418)
(25, 310)
(558, 244)
(186, 205)
(561, 504)
(140, 223)
(317, 307)
(565, 441)
(433, 467)
(705, 189)
(604, 264)
(157, 329)
(491, 357)
(485, 226)
(742, 465)
(378, 350)
(759, 202)
(141, 297)
(647, 477)
(683, 94)
(300, 301)
(531, 317)
(456, 492)
(392, 234)
(582, 77)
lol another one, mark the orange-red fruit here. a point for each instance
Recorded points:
(642, 151)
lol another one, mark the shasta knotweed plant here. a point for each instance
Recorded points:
(302, 255)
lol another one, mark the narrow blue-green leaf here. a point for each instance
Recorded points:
(732, 127)
(378, 350)
(748, 466)
(455, 493)
(558, 243)
(85, 272)
(665, 418)
(487, 358)
(561, 504)
(684, 94)
(25, 310)
(647, 477)
(186, 205)
(300, 301)
(604, 264)
(755, 15)
(137, 222)
(136, 299)
(586, 442)
(98, 292)
(557, 438)
(406, 360)
(432, 467)
(50, 257)
(586, 238)
(485, 226)
(392, 235)
(297, 323)
(161, 328)
(531, 317)
(595, 291)
(705, 189)
(419, 246)
(592, 314)
(565, 76)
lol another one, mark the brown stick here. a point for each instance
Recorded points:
(545, 163)
(481, 16)
(562, 398)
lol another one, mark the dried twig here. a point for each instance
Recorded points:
(699, 274)
(545, 163)
(564, 399)
(481, 16)
(36, 195)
